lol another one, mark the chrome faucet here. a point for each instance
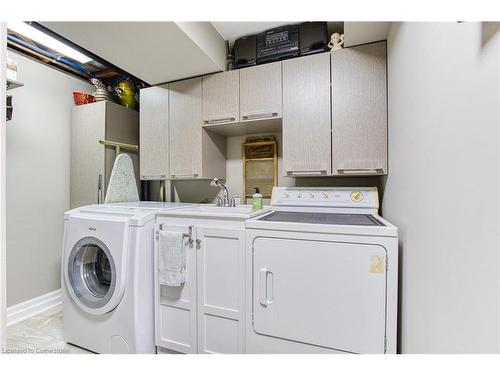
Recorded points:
(226, 201)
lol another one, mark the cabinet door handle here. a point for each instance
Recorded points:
(306, 173)
(154, 177)
(265, 297)
(259, 115)
(359, 170)
(218, 120)
(99, 189)
(194, 175)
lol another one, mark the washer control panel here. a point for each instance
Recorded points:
(325, 197)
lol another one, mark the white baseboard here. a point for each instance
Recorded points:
(28, 309)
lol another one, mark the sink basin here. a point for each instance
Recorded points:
(211, 210)
(220, 209)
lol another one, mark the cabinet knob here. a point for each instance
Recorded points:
(198, 241)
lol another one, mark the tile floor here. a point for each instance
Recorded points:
(42, 334)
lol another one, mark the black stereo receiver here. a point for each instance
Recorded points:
(277, 44)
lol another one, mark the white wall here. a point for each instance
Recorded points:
(38, 161)
(443, 184)
(3, 277)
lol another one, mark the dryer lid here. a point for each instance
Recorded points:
(323, 218)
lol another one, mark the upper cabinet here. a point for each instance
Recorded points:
(359, 108)
(306, 116)
(194, 152)
(261, 92)
(331, 108)
(221, 98)
(154, 134)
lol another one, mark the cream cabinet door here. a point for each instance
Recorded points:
(88, 127)
(220, 268)
(154, 134)
(260, 92)
(359, 107)
(195, 153)
(185, 128)
(307, 116)
(221, 102)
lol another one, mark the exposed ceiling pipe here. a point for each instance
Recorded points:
(54, 57)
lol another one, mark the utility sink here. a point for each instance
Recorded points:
(210, 210)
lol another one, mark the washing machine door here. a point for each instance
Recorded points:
(91, 273)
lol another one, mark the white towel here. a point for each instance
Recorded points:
(172, 258)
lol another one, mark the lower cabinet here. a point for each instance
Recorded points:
(205, 314)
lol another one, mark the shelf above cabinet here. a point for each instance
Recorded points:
(13, 84)
(247, 127)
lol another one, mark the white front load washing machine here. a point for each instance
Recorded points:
(107, 277)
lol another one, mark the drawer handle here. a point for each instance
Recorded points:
(218, 120)
(306, 173)
(359, 170)
(265, 298)
(259, 115)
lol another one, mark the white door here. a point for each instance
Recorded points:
(330, 294)
(220, 290)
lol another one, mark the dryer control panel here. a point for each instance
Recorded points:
(327, 197)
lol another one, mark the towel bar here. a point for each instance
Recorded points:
(118, 146)
(188, 235)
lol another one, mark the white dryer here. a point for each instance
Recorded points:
(107, 277)
(322, 272)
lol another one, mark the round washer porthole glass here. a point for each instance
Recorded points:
(91, 272)
(96, 270)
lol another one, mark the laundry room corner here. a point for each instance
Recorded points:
(38, 177)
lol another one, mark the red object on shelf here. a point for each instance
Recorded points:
(83, 98)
